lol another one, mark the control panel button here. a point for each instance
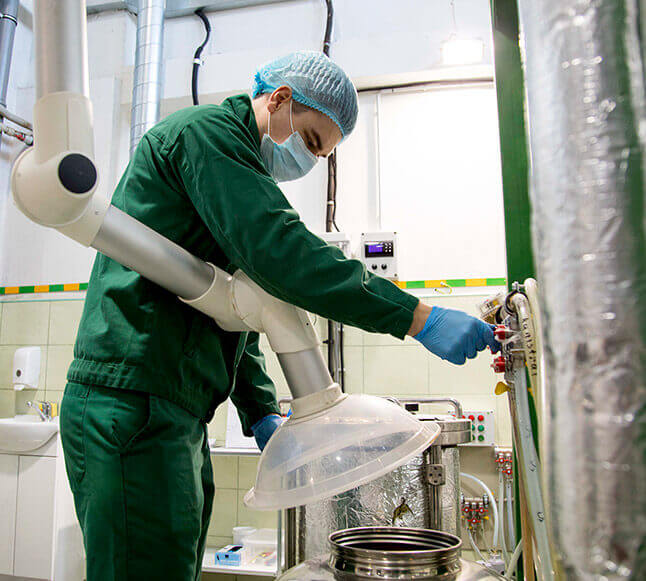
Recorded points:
(374, 267)
(384, 266)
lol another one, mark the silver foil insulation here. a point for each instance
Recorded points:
(587, 128)
(399, 498)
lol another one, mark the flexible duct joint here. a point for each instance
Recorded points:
(147, 85)
(586, 109)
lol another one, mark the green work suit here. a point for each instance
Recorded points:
(197, 178)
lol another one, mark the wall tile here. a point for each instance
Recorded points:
(393, 370)
(22, 397)
(59, 358)
(217, 428)
(275, 372)
(6, 365)
(247, 472)
(474, 377)
(225, 471)
(54, 395)
(353, 363)
(503, 422)
(225, 512)
(218, 542)
(261, 519)
(24, 323)
(379, 339)
(7, 403)
(63, 322)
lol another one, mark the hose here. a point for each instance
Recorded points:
(511, 567)
(475, 547)
(491, 496)
(521, 305)
(197, 57)
(511, 526)
(501, 512)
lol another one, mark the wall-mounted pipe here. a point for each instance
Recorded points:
(8, 23)
(147, 84)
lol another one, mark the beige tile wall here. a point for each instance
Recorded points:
(375, 364)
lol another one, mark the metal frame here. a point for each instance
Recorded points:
(178, 8)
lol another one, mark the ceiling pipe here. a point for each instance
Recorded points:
(178, 8)
(147, 85)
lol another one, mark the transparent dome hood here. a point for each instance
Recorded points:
(334, 442)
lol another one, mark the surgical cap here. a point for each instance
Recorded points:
(315, 81)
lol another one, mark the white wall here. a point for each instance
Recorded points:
(371, 40)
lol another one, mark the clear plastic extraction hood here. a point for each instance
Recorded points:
(332, 444)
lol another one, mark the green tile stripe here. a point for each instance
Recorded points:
(452, 282)
(43, 288)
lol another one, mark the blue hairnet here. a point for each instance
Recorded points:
(315, 81)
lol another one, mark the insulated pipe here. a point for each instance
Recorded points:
(8, 23)
(584, 70)
(147, 84)
(60, 39)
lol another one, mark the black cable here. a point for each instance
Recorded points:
(197, 60)
(328, 27)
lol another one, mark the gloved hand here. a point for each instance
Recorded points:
(454, 335)
(263, 429)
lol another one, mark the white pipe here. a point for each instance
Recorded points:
(531, 470)
(521, 304)
(491, 496)
(501, 512)
(500, 496)
(511, 526)
(509, 573)
(475, 547)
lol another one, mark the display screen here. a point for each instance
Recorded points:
(373, 249)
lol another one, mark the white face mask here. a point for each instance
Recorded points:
(289, 160)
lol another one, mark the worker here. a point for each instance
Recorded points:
(149, 371)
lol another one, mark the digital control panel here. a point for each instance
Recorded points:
(378, 252)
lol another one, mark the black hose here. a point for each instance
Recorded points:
(197, 60)
(328, 27)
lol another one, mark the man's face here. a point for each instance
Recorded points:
(319, 132)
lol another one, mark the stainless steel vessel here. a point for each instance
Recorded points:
(424, 493)
(390, 553)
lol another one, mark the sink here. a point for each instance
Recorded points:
(25, 433)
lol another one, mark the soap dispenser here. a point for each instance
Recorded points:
(26, 368)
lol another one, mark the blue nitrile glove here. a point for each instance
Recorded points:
(454, 335)
(263, 429)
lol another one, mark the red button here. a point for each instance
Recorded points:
(481, 418)
(472, 418)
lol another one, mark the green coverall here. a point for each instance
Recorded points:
(149, 371)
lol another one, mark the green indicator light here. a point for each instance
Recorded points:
(480, 438)
(473, 427)
(481, 428)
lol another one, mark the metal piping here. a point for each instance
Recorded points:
(60, 39)
(147, 85)
(178, 8)
(586, 108)
(6, 114)
(8, 23)
(131, 243)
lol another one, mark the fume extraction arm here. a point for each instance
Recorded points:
(333, 441)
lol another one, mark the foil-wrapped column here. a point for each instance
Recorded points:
(147, 84)
(586, 110)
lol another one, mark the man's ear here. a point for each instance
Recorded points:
(278, 98)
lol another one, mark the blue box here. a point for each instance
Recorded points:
(231, 556)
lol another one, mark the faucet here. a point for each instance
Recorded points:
(45, 413)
